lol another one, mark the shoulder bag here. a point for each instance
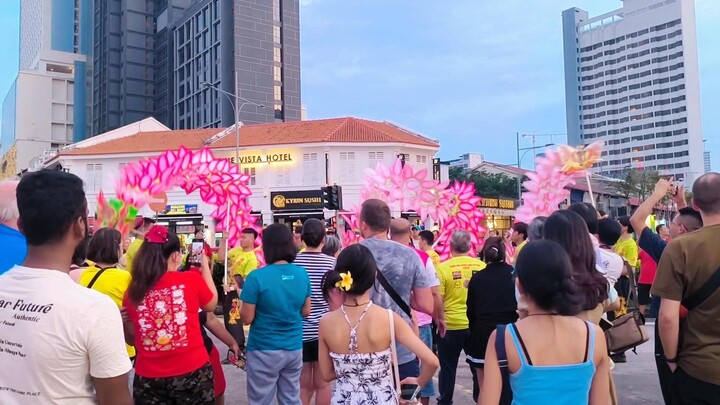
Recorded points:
(395, 368)
(97, 275)
(506, 395)
(702, 294)
(627, 332)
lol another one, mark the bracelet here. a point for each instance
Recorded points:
(672, 361)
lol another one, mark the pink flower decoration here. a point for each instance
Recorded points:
(220, 184)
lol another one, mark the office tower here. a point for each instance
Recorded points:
(706, 159)
(255, 54)
(632, 81)
(45, 108)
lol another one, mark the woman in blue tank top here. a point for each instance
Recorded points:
(552, 356)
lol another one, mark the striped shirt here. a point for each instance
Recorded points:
(316, 264)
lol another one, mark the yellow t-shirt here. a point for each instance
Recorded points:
(435, 257)
(241, 263)
(518, 249)
(113, 282)
(131, 252)
(454, 275)
(628, 250)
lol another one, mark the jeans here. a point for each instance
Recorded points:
(449, 349)
(271, 373)
(426, 335)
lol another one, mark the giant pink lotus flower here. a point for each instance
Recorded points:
(546, 186)
(219, 182)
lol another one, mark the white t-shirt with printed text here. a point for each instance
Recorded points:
(55, 335)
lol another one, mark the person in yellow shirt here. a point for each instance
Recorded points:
(103, 275)
(144, 224)
(519, 237)
(241, 261)
(426, 245)
(454, 275)
(628, 250)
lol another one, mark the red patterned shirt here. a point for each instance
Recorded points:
(167, 329)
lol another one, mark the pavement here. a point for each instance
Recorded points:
(636, 380)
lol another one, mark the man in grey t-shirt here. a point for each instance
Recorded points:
(403, 269)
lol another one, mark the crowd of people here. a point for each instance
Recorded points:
(359, 324)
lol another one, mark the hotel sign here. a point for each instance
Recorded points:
(498, 203)
(268, 158)
(296, 200)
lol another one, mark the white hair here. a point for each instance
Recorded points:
(460, 241)
(8, 202)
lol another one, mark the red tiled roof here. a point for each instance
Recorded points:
(316, 131)
(348, 129)
(143, 142)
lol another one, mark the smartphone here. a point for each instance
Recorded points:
(605, 325)
(196, 251)
(409, 392)
(239, 362)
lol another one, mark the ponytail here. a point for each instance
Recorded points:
(149, 265)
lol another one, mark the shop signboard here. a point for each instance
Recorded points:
(180, 209)
(296, 200)
(499, 203)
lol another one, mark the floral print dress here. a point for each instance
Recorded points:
(363, 378)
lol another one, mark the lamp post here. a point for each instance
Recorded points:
(236, 107)
(526, 150)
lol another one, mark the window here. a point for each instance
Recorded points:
(374, 158)
(310, 168)
(347, 167)
(282, 175)
(250, 171)
(93, 177)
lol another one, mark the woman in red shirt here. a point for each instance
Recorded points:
(172, 365)
(648, 267)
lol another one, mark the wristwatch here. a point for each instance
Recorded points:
(673, 360)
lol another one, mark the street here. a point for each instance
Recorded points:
(636, 380)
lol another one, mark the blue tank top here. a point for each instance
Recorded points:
(558, 385)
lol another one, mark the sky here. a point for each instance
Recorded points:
(470, 73)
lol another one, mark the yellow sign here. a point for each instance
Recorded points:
(300, 199)
(268, 158)
(279, 201)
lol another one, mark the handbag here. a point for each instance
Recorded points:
(627, 332)
(395, 369)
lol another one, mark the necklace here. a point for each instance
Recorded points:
(546, 314)
(356, 304)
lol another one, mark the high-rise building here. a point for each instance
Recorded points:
(708, 164)
(255, 54)
(45, 107)
(632, 81)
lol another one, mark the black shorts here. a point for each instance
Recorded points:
(477, 343)
(310, 351)
(644, 294)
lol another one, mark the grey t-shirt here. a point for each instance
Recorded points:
(404, 270)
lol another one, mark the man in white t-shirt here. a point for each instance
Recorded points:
(60, 343)
(609, 232)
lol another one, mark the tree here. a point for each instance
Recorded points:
(637, 183)
(487, 184)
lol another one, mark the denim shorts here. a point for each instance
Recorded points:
(428, 390)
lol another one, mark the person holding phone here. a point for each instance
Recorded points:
(162, 304)
(355, 341)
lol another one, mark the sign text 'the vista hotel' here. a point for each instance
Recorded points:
(269, 158)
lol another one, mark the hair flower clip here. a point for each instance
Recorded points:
(345, 282)
(157, 234)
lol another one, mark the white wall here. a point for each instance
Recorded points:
(302, 175)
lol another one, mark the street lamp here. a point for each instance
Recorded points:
(237, 107)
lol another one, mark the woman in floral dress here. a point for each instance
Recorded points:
(354, 340)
